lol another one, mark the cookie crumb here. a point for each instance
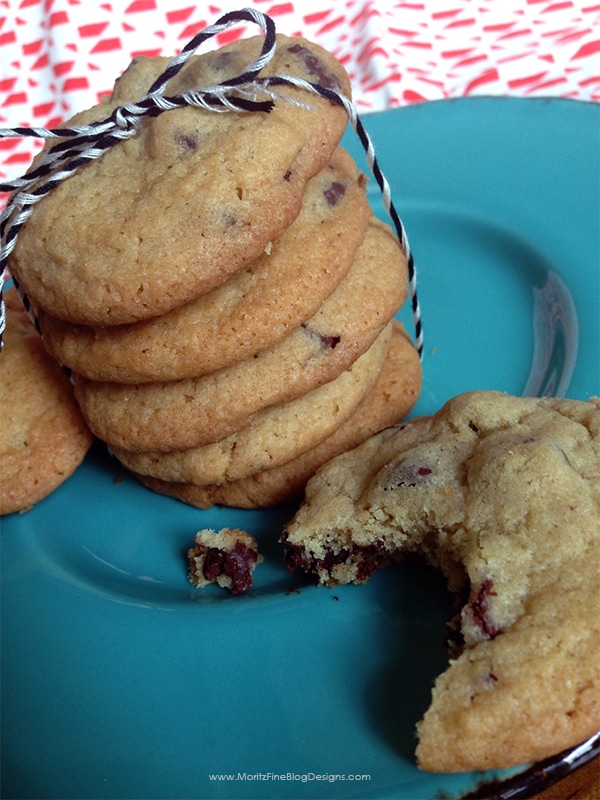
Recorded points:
(227, 557)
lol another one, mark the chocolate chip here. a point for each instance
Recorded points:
(368, 559)
(298, 558)
(231, 220)
(369, 564)
(330, 342)
(236, 564)
(327, 341)
(480, 611)
(334, 193)
(187, 141)
(332, 558)
(222, 59)
(566, 457)
(406, 473)
(315, 66)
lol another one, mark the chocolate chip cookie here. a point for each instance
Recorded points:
(502, 494)
(43, 436)
(193, 197)
(181, 414)
(251, 311)
(391, 399)
(276, 435)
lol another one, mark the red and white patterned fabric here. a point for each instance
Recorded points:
(59, 56)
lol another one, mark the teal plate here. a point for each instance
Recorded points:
(119, 680)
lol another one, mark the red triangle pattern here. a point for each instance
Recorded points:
(59, 56)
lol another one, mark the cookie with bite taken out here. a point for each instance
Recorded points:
(502, 494)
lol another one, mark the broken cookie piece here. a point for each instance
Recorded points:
(227, 557)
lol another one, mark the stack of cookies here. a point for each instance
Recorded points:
(220, 289)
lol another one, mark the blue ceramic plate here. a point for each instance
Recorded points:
(119, 680)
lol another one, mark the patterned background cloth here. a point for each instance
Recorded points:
(59, 56)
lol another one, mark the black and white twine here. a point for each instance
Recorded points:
(80, 145)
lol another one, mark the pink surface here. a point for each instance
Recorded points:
(58, 57)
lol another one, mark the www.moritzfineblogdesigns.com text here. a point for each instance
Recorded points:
(304, 777)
